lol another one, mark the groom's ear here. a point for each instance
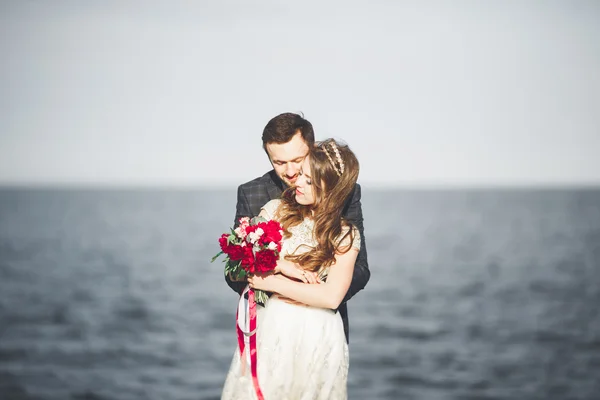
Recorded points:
(268, 155)
(266, 152)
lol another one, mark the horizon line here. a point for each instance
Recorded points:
(234, 186)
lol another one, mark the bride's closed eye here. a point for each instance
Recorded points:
(308, 181)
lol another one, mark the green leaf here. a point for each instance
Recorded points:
(241, 273)
(228, 267)
(215, 257)
(260, 297)
(232, 266)
(231, 239)
(257, 219)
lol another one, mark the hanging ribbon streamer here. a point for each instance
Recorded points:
(246, 332)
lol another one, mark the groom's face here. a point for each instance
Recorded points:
(287, 158)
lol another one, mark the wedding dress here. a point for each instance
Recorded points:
(302, 350)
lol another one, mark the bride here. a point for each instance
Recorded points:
(301, 346)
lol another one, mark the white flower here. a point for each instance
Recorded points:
(254, 236)
(240, 232)
(272, 246)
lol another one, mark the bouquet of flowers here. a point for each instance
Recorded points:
(253, 247)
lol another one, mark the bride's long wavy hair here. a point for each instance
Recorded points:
(333, 180)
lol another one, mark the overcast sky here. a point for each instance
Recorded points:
(177, 93)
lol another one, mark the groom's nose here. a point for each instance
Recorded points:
(291, 169)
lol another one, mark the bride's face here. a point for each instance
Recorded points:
(304, 187)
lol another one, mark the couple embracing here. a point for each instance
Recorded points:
(302, 331)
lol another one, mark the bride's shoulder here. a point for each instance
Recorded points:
(271, 207)
(347, 239)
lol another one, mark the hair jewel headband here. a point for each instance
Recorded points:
(338, 158)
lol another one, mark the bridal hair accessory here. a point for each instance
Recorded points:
(338, 157)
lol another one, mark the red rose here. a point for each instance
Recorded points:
(247, 258)
(251, 228)
(234, 252)
(237, 253)
(266, 260)
(225, 247)
(223, 242)
(272, 234)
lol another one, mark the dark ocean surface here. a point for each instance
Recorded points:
(474, 294)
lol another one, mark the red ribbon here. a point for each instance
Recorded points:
(242, 345)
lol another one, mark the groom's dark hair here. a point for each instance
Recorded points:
(282, 128)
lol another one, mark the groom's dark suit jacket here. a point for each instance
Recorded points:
(251, 196)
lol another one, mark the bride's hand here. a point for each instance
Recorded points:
(291, 270)
(262, 282)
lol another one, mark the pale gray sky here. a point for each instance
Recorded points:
(425, 92)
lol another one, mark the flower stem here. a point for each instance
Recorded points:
(260, 297)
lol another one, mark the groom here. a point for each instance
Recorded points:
(286, 140)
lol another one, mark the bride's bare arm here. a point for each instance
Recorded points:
(328, 294)
(293, 271)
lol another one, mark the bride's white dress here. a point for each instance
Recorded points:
(302, 351)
